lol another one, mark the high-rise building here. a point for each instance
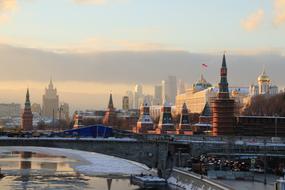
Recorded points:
(64, 111)
(36, 108)
(169, 89)
(149, 99)
(27, 116)
(157, 100)
(223, 106)
(50, 102)
(125, 103)
(10, 110)
(138, 96)
(130, 95)
(181, 87)
(164, 89)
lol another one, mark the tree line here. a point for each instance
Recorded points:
(266, 105)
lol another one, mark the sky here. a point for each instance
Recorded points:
(93, 47)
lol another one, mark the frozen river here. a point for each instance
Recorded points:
(49, 168)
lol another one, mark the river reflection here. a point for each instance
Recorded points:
(29, 170)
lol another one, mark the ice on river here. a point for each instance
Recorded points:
(89, 163)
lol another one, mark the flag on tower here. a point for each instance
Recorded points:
(204, 65)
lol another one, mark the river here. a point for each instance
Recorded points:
(33, 170)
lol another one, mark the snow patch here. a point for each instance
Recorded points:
(174, 181)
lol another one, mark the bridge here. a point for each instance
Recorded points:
(155, 153)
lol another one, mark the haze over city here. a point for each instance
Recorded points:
(93, 47)
(142, 94)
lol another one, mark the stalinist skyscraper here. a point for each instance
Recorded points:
(50, 102)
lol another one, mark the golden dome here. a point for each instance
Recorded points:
(263, 77)
(235, 93)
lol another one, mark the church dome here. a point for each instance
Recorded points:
(263, 77)
(201, 84)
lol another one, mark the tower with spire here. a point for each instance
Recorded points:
(223, 106)
(184, 126)
(110, 117)
(27, 116)
(145, 122)
(166, 124)
(50, 102)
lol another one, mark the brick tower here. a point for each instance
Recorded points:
(223, 107)
(184, 126)
(110, 117)
(27, 116)
(145, 122)
(165, 124)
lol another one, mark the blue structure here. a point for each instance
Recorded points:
(89, 131)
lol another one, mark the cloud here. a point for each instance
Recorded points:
(6, 8)
(86, 79)
(253, 21)
(103, 45)
(279, 12)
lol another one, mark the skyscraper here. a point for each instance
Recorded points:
(125, 103)
(169, 89)
(181, 87)
(157, 100)
(50, 102)
(138, 96)
(64, 112)
(27, 116)
(130, 95)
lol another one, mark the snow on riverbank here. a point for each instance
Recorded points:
(89, 163)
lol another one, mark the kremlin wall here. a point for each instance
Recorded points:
(201, 109)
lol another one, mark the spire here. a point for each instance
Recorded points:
(28, 95)
(224, 64)
(223, 85)
(50, 86)
(111, 105)
(27, 102)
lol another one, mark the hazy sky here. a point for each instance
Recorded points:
(92, 47)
